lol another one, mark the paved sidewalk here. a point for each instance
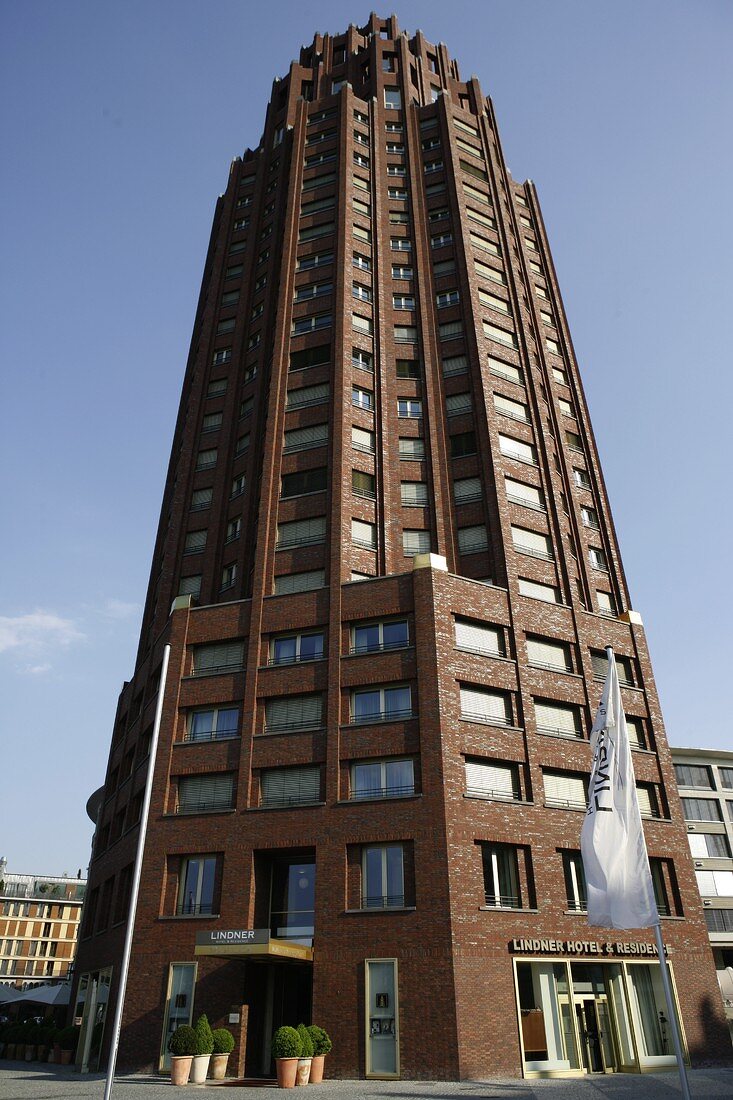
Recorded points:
(31, 1081)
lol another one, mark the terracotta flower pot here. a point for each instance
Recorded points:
(287, 1069)
(218, 1069)
(304, 1071)
(200, 1068)
(180, 1068)
(317, 1069)
(65, 1058)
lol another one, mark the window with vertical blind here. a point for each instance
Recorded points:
(413, 493)
(294, 712)
(290, 786)
(203, 793)
(466, 489)
(701, 809)
(300, 439)
(565, 790)
(514, 409)
(482, 705)
(533, 543)
(517, 449)
(726, 777)
(648, 798)
(479, 637)
(410, 447)
(558, 719)
(206, 459)
(306, 581)
(624, 667)
(549, 593)
(415, 542)
(693, 775)
(473, 540)
(709, 846)
(301, 532)
(493, 779)
(218, 657)
(544, 653)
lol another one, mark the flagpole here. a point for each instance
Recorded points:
(671, 1013)
(135, 886)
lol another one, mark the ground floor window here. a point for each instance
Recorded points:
(91, 1011)
(178, 1004)
(592, 1017)
(382, 1018)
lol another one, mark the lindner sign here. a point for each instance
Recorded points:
(223, 937)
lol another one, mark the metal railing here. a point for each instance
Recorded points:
(383, 792)
(503, 901)
(382, 716)
(383, 901)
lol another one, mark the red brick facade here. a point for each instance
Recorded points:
(470, 380)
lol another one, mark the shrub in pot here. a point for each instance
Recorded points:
(223, 1047)
(306, 1056)
(182, 1045)
(286, 1048)
(321, 1047)
(204, 1047)
(29, 1037)
(68, 1041)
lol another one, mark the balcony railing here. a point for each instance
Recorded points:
(377, 647)
(211, 735)
(382, 716)
(503, 901)
(486, 719)
(577, 905)
(383, 901)
(495, 795)
(194, 909)
(566, 803)
(204, 806)
(383, 792)
(559, 731)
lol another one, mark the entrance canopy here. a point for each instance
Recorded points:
(250, 943)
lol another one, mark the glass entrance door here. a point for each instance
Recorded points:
(594, 1026)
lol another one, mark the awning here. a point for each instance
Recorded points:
(270, 949)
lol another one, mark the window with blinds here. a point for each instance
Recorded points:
(491, 273)
(500, 335)
(635, 731)
(546, 654)
(490, 779)
(201, 498)
(415, 542)
(458, 403)
(558, 719)
(362, 440)
(364, 534)
(414, 493)
(412, 447)
(481, 705)
(307, 395)
(624, 667)
(529, 496)
(701, 809)
(538, 591)
(206, 459)
(708, 846)
(199, 794)
(195, 541)
(450, 330)
(504, 370)
(466, 489)
(299, 439)
(515, 409)
(301, 532)
(532, 543)
(693, 775)
(494, 302)
(473, 540)
(211, 422)
(565, 790)
(294, 712)
(190, 586)
(482, 219)
(455, 364)
(517, 449)
(648, 801)
(480, 637)
(290, 786)
(220, 657)
(484, 245)
(307, 581)
(715, 884)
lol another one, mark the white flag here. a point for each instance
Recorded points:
(618, 880)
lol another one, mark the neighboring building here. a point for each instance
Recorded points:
(390, 556)
(705, 781)
(39, 924)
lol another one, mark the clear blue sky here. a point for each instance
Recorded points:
(118, 124)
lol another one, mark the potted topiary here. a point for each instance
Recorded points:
(68, 1041)
(50, 1033)
(30, 1033)
(204, 1047)
(223, 1047)
(321, 1047)
(306, 1056)
(286, 1048)
(182, 1045)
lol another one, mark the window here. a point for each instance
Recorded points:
(693, 775)
(290, 786)
(363, 485)
(726, 777)
(431, 166)
(709, 845)
(205, 460)
(291, 648)
(190, 586)
(397, 193)
(360, 159)
(500, 335)
(457, 404)
(307, 395)
(300, 439)
(399, 217)
(484, 244)
(415, 542)
(363, 293)
(385, 704)
(597, 558)
(400, 244)
(558, 719)
(411, 448)
(463, 443)
(310, 357)
(364, 534)
(195, 542)
(212, 724)
(505, 370)
(533, 543)
(466, 489)
(312, 290)
(303, 325)
(501, 876)
(494, 780)
(293, 712)
(581, 478)
(242, 444)
(392, 99)
(447, 298)
(573, 440)
(238, 486)
(217, 388)
(715, 883)
(318, 181)
(362, 440)
(205, 793)
(701, 809)
(288, 583)
(378, 636)
(624, 667)
(538, 591)
(490, 273)
(196, 880)
(648, 799)
(408, 368)
(225, 326)
(480, 638)
(313, 232)
(218, 657)
(575, 890)
(565, 790)
(473, 540)
(362, 324)
(363, 399)
(301, 532)
(409, 408)
(403, 301)
(234, 529)
(405, 334)
(362, 262)
(482, 705)
(382, 779)
(303, 481)
(414, 494)
(514, 409)
(455, 364)
(529, 496)
(383, 884)
(546, 654)
(439, 240)
(635, 731)
(362, 208)
(318, 259)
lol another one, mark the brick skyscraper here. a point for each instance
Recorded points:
(390, 556)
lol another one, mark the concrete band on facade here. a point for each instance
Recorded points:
(387, 570)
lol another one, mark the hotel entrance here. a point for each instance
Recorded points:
(578, 1018)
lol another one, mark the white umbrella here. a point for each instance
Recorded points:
(8, 995)
(47, 994)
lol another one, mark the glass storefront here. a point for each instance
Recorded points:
(591, 1017)
(382, 1018)
(178, 1005)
